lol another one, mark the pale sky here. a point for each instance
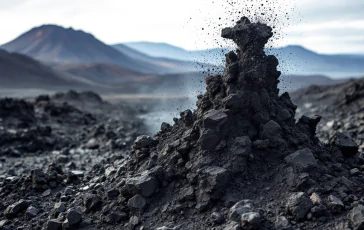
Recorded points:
(326, 26)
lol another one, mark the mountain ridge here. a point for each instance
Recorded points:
(53, 43)
(294, 59)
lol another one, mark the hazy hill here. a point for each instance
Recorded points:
(156, 49)
(293, 59)
(17, 70)
(103, 73)
(175, 65)
(51, 43)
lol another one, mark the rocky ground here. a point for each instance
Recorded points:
(341, 107)
(239, 161)
(74, 130)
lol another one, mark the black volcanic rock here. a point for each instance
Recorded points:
(239, 161)
(347, 145)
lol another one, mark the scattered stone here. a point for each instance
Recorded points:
(73, 217)
(58, 208)
(133, 222)
(261, 144)
(244, 206)
(250, 220)
(298, 205)
(209, 139)
(62, 159)
(233, 226)
(302, 159)
(271, 130)
(214, 119)
(46, 193)
(319, 211)
(355, 171)
(92, 144)
(241, 146)
(217, 217)
(282, 223)
(347, 145)
(316, 199)
(145, 184)
(18, 207)
(356, 217)
(31, 212)
(137, 202)
(187, 193)
(116, 217)
(54, 224)
(143, 142)
(112, 193)
(168, 228)
(335, 204)
(93, 203)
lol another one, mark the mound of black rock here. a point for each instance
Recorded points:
(239, 161)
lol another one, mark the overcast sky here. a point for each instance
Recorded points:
(326, 26)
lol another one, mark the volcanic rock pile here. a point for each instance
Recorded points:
(239, 161)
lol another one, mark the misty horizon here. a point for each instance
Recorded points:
(119, 22)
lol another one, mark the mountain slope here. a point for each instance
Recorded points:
(156, 49)
(102, 73)
(17, 70)
(293, 59)
(298, 60)
(175, 65)
(52, 43)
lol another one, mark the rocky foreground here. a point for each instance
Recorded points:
(74, 130)
(239, 161)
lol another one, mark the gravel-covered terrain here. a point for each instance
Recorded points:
(241, 160)
(341, 107)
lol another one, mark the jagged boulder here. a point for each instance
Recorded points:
(346, 144)
(244, 206)
(16, 208)
(356, 217)
(298, 205)
(302, 159)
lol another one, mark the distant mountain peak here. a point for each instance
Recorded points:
(54, 43)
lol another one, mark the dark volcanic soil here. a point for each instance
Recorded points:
(239, 161)
(75, 130)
